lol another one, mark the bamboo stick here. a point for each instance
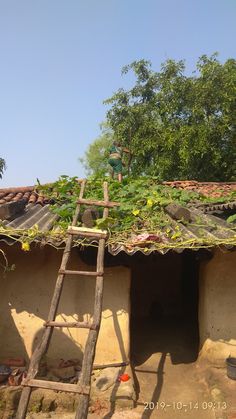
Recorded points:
(90, 233)
(42, 347)
(82, 273)
(90, 348)
(105, 203)
(52, 385)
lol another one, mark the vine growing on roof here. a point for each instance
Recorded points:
(142, 209)
(142, 202)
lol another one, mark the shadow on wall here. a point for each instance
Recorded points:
(25, 296)
(65, 346)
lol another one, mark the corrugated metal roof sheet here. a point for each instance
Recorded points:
(211, 208)
(34, 215)
(208, 231)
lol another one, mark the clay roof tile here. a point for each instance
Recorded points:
(208, 189)
(32, 198)
(40, 199)
(9, 197)
(18, 196)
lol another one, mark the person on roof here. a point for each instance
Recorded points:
(115, 159)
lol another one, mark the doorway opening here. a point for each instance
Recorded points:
(164, 307)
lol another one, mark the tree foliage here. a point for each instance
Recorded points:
(96, 156)
(179, 126)
(2, 167)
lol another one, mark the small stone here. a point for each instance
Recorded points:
(65, 402)
(89, 216)
(52, 377)
(106, 378)
(48, 403)
(216, 394)
(125, 390)
(64, 373)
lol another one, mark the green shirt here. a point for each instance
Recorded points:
(115, 149)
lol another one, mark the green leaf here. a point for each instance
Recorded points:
(231, 219)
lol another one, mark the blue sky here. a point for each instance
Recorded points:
(61, 58)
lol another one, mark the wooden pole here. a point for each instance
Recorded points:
(81, 231)
(104, 203)
(89, 353)
(42, 347)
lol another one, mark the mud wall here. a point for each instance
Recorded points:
(217, 307)
(25, 295)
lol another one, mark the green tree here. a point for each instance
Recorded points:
(95, 160)
(179, 126)
(2, 167)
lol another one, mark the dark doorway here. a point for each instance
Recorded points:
(164, 307)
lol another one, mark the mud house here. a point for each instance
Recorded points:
(173, 296)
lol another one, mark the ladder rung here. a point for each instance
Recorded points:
(106, 204)
(82, 325)
(88, 232)
(85, 273)
(52, 385)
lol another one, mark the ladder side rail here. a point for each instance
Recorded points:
(90, 348)
(106, 198)
(66, 254)
(77, 211)
(42, 347)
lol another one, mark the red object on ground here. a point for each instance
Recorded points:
(124, 377)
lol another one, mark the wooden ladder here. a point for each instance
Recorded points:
(82, 388)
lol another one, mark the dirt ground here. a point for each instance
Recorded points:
(118, 415)
(170, 382)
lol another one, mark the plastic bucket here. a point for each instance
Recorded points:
(231, 368)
